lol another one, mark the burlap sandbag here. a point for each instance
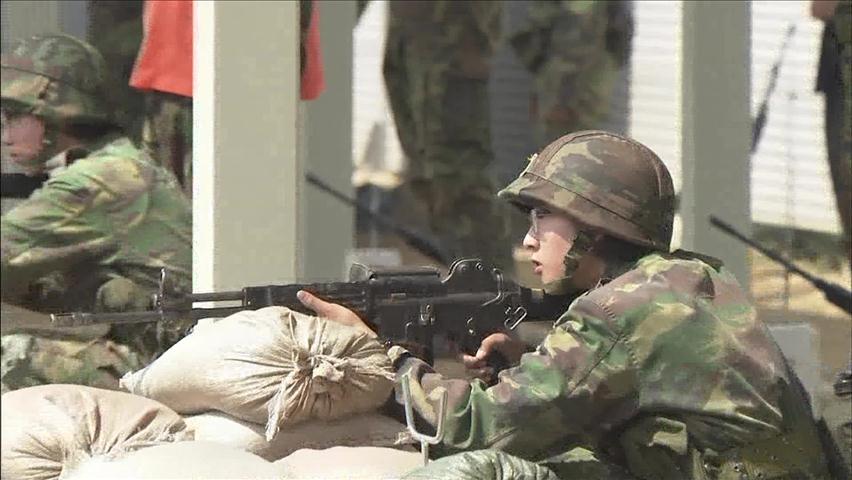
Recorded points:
(50, 428)
(349, 463)
(366, 430)
(271, 366)
(178, 461)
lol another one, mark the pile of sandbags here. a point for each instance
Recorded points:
(272, 367)
(349, 463)
(368, 429)
(179, 461)
(49, 429)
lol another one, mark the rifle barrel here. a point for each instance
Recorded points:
(834, 293)
(725, 227)
(77, 319)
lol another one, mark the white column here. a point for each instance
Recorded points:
(328, 224)
(716, 130)
(247, 179)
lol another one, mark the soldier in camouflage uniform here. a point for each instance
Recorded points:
(98, 232)
(436, 69)
(574, 50)
(660, 369)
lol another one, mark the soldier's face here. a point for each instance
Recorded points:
(23, 141)
(549, 239)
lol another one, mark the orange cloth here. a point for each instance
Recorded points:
(313, 78)
(165, 57)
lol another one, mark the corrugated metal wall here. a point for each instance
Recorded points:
(655, 84)
(790, 182)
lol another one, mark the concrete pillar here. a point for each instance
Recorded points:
(716, 128)
(247, 177)
(327, 133)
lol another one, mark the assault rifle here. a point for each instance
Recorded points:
(833, 292)
(404, 305)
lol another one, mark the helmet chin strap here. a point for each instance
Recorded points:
(583, 244)
(50, 144)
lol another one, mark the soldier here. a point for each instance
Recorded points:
(436, 69)
(98, 232)
(574, 51)
(659, 369)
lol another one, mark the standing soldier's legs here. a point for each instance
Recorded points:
(167, 134)
(399, 85)
(441, 109)
(561, 105)
(453, 175)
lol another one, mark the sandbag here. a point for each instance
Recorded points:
(271, 366)
(50, 428)
(482, 465)
(178, 461)
(370, 429)
(348, 463)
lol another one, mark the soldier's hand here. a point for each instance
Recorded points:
(510, 347)
(334, 312)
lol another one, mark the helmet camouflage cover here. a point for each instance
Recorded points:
(58, 78)
(605, 181)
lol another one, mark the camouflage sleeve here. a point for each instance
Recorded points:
(580, 376)
(567, 35)
(51, 231)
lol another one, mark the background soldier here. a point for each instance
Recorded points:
(574, 50)
(661, 369)
(97, 233)
(436, 68)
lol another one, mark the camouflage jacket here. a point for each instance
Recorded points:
(665, 371)
(111, 217)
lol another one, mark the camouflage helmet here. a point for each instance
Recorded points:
(58, 78)
(606, 181)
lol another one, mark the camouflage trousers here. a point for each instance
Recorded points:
(29, 360)
(573, 73)
(443, 122)
(167, 134)
(560, 105)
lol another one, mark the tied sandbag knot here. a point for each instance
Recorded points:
(317, 381)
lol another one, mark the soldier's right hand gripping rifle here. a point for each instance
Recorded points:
(408, 306)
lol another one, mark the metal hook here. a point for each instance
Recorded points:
(425, 440)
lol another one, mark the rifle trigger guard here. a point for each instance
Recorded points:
(516, 317)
